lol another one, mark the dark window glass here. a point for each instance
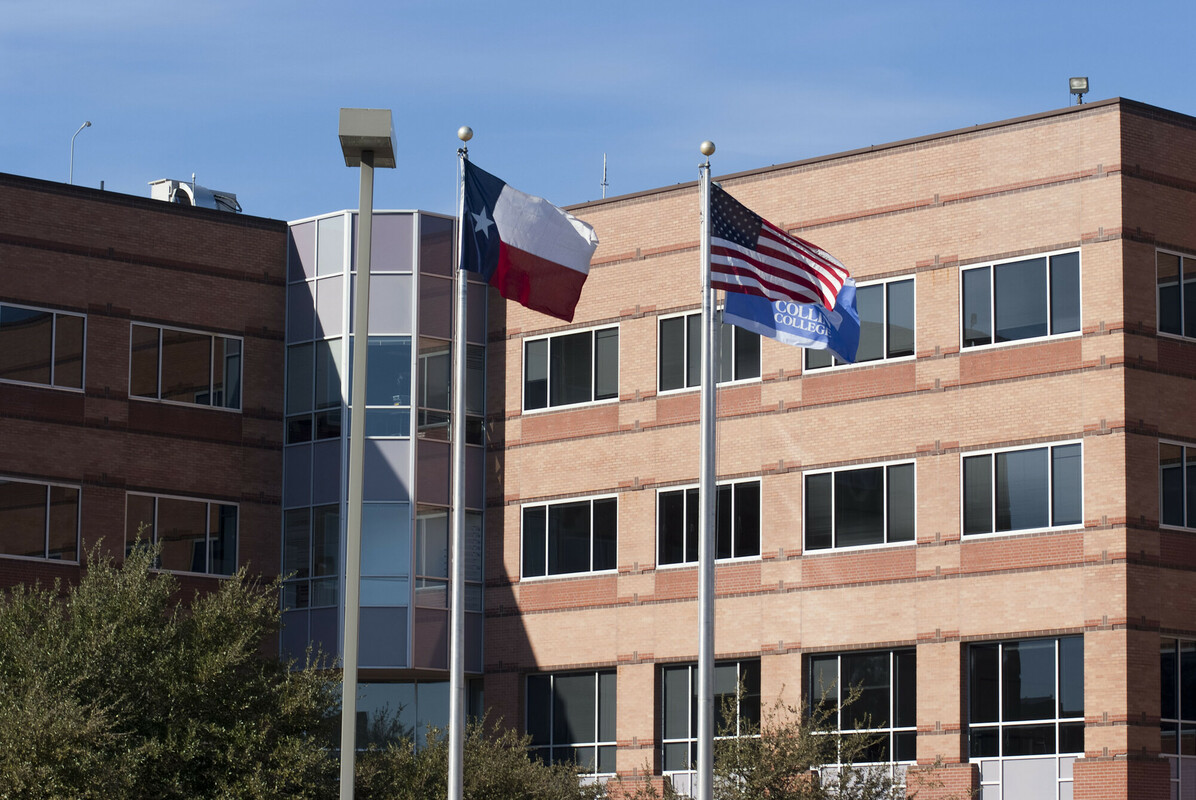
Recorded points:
(186, 367)
(570, 369)
(870, 303)
(568, 538)
(693, 350)
(1020, 300)
(328, 374)
(901, 503)
(723, 522)
(977, 307)
(139, 519)
(1189, 272)
(23, 519)
(325, 536)
(1021, 490)
(900, 318)
(905, 695)
(1028, 680)
(1028, 740)
(977, 494)
(1187, 680)
(606, 708)
(68, 351)
(984, 683)
(984, 742)
(26, 344)
(63, 542)
(824, 681)
(1170, 300)
(1071, 737)
(182, 527)
(300, 378)
(296, 543)
(1168, 679)
(605, 534)
(1065, 293)
(677, 700)
(1171, 483)
(535, 374)
(747, 519)
(691, 524)
(539, 709)
(672, 527)
(869, 674)
(574, 700)
(1071, 676)
(672, 353)
(818, 511)
(388, 381)
(143, 377)
(226, 372)
(859, 507)
(1066, 495)
(222, 539)
(606, 364)
(817, 359)
(747, 354)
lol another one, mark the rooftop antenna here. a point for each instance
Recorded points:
(1079, 87)
(71, 174)
(604, 183)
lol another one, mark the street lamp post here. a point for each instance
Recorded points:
(71, 174)
(367, 140)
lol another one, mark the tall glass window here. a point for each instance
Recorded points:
(885, 684)
(1025, 299)
(1176, 294)
(571, 719)
(736, 713)
(1177, 485)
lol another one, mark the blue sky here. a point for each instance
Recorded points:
(245, 93)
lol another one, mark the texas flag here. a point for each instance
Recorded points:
(531, 251)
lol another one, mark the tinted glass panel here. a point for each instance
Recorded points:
(901, 318)
(23, 519)
(869, 674)
(1168, 678)
(539, 708)
(672, 353)
(605, 533)
(870, 303)
(385, 539)
(817, 359)
(723, 523)
(824, 680)
(606, 364)
(182, 532)
(1028, 740)
(859, 507)
(672, 527)
(1171, 479)
(64, 523)
(535, 374)
(222, 539)
(818, 511)
(1065, 293)
(186, 367)
(139, 519)
(977, 307)
(574, 698)
(1071, 676)
(905, 694)
(570, 374)
(1170, 302)
(432, 546)
(1187, 680)
(1020, 299)
(568, 538)
(296, 543)
(1189, 292)
(747, 519)
(534, 541)
(747, 354)
(984, 682)
(691, 524)
(325, 536)
(1066, 496)
(1028, 680)
(300, 378)
(143, 367)
(26, 343)
(901, 503)
(68, 351)
(388, 381)
(977, 494)
(1021, 490)
(606, 707)
(693, 350)
(328, 373)
(676, 703)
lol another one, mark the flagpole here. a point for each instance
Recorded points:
(706, 508)
(456, 755)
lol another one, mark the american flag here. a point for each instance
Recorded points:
(751, 255)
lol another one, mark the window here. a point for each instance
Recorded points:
(679, 711)
(680, 344)
(886, 324)
(39, 520)
(432, 534)
(314, 391)
(311, 556)
(571, 719)
(185, 366)
(1025, 299)
(886, 703)
(1018, 490)
(571, 368)
(195, 535)
(435, 390)
(1026, 709)
(1177, 711)
(737, 523)
(1177, 485)
(856, 507)
(41, 346)
(563, 538)
(388, 712)
(1176, 294)
(387, 386)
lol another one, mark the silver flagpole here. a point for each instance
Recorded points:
(456, 757)
(706, 508)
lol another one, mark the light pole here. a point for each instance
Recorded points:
(367, 140)
(71, 174)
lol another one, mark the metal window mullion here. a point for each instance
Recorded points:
(593, 365)
(590, 503)
(884, 527)
(834, 521)
(54, 357)
(46, 527)
(992, 502)
(884, 323)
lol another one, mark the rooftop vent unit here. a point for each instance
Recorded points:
(191, 194)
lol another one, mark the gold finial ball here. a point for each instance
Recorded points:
(707, 148)
(465, 133)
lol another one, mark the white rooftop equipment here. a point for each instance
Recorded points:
(191, 194)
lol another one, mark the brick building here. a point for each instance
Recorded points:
(989, 523)
(141, 369)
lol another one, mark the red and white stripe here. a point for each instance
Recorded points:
(781, 267)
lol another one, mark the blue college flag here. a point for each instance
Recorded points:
(803, 324)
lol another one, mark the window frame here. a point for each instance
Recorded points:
(54, 349)
(1179, 283)
(992, 497)
(992, 300)
(548, 405)
(891, 730)
(597, 743)
(735, 333)
(590, 500)
(836, 364)
(1178, 724)
(691, 714)
(47, 486)
(157, 398)
(884, 466)
(684, 490)
(208, 504)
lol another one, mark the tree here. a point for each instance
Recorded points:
(114, 688)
